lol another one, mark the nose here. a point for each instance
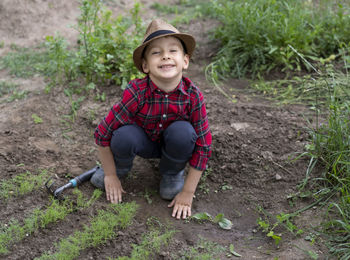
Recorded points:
(165, 56)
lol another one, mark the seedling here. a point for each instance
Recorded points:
(233, 252)
(22, 184)
(219, 219)
(14, 231)
(103, 227)
(37, 119)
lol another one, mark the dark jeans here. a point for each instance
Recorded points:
(175, 149)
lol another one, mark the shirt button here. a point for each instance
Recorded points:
(166, 96)
(160, 125)
(164, 116)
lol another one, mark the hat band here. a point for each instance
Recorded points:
(157, 33)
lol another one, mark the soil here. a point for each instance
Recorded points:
(254, 141)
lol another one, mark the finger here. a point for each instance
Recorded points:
(119, 198)
(179, 212)
(107, 194)
(171, 204)
(175, 210)
(189, 212)
(184, 213)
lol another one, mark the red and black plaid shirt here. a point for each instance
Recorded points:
(154, 110)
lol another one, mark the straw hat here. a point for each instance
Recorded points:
(157, 29)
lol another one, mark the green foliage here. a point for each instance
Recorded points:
(105, 47)
(102, 228)
(219, 219)
(22, 184)
(255, 35)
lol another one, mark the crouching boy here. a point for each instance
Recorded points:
(162, 116)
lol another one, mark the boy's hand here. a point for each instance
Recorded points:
(182, 205)
(114, 189)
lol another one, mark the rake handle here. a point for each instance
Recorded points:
(83, 177)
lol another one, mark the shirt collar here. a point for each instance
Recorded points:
(180, 87)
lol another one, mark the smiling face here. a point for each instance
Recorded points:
(164, 61)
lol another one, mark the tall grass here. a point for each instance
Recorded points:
(255, 35)
(330, 149)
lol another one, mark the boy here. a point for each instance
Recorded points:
(160, 116)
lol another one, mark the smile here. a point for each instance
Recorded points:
(166, 66)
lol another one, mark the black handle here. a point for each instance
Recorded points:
(85, 176)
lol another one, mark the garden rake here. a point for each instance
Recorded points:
(57, 193)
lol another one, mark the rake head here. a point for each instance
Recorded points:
(56, 192)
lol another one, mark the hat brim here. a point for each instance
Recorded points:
(187, 39)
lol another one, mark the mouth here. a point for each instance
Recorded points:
(166, 66)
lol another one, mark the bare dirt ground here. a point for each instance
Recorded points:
(253, 140)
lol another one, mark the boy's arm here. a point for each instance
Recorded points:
(183, 201)
(113, 186)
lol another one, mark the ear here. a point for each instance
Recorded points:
(145, 66)
(186, 61)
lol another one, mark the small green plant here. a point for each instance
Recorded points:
(203, 185)
(22, 184)
(102, 228)
(204, 250)
(219, 219)
(37, 119)
(267, 228)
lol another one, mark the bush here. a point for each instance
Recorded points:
(105, 47)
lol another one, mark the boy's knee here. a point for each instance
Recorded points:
(180, 136)
(124, 140)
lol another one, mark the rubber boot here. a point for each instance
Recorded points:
(172, 174)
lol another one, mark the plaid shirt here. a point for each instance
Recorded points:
(144, 104)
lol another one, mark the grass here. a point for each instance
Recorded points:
(14, 231)
(22, 184)
(152, 242)
(25, 62)
(185, 11)
(256, 35)
(102, 228)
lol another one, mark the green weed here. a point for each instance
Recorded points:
(102, 228)
(203, 250)
(255, 35)
(22, 184)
